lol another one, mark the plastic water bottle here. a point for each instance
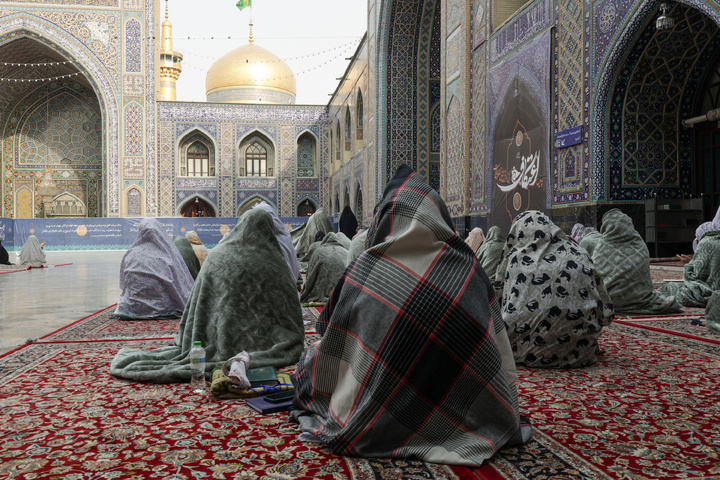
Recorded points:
(197, 368)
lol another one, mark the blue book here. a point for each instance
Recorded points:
(259, 404)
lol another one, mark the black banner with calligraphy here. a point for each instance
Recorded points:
(520, 157)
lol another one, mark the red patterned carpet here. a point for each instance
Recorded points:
(647, 410)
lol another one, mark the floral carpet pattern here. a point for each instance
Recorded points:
(647, 410)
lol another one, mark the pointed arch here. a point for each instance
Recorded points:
(196, 154)
(252, 202)
(26, 25)
(359, 211)
(348, 129)
(306, 149)
(306, 207)
(206, 207)
(360, 111)
(134, 202)
(338, 140)
(257, 155)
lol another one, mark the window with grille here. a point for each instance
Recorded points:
(256, 161)
(198, 160)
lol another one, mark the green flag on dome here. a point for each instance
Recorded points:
(243, 3)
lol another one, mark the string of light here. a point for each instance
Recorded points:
(43, 64)
(292, 75)
(343, 46)
(48, 79)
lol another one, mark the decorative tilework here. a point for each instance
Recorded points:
(397, 57)
(287, 206)
(133, 85)
(133, 4)
(133, 167)
(571, 182)
(133, 51)
(227, 196)
(644, 137)
(226, 149)
(428, 71)
(134, 202)
(306, 147)
(453, 55)
(133, 129)
(455, 159)
(479, 21)
(455, 13)
(523, 27)
(150, 161)
(197, 183)
(478, 130)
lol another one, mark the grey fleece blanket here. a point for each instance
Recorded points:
(701, 276)
(188, 254)
(490, 252)
(357, 246)
(304, 236)
(623, 261)
(712, 313)
(243, 299)
(324, 270)
(589, 241)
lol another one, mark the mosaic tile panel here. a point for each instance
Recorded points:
(533, 20)
(134, 202)
(24, 198)
(395, 102)
(133, 85)
(84, 3)
(455, 158)
(133, 50)
(226, 149)
(306, 156)
(227, 196)
(455, 13)
(478, 131)
(133, 120)
(287, 206)
(428, 65)
(571, 182)
(63, 130)
(132, 4)
(133, 167)
(479, 22)
(150, 106)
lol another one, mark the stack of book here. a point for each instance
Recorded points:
(279, 401)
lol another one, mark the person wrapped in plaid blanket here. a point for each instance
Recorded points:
(414, 360)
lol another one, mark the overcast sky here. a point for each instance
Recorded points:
(326, 31)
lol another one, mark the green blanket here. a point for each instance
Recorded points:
(188, 254)
(324, 270)
(701, 276)
(243, 299)
(712, 313)
(490, 252)
(623, 261)
(304, 236)
(590, 240)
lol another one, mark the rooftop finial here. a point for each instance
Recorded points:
(166, 9)
(251, 37)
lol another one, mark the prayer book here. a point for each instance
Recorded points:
(262, 376)
(259, 404)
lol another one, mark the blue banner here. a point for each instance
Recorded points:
(569, 137)
(112, 233)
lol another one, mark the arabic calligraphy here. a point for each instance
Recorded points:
(526, 176)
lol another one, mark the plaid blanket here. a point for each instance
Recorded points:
(414, 361)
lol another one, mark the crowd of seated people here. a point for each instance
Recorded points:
(420, 329)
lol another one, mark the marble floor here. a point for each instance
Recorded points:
(39, 301)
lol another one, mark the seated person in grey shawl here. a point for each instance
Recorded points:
(324, 269)
(490, 252)
(357, 246)
(701, 276)
(305, 259)
(623, 261)
(712, 313)
(553, 300)
(589, 240)
(378, 384)
(32, 253)
(304, 236)
(154, 278)
(188, 254)
(282, 235)
(243, 300)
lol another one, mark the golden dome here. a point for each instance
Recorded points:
(250, 74)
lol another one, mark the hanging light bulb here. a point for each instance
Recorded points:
(664, 21)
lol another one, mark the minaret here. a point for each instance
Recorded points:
(170, 61)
